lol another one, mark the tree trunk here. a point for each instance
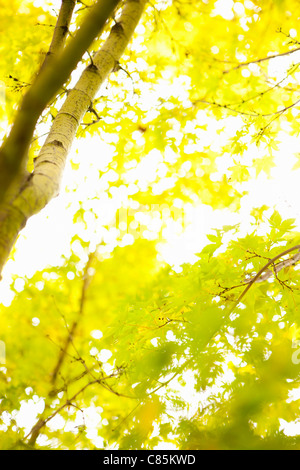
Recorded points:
(43, 183)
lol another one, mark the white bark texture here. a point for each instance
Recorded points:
(47, 83)
(44, 182)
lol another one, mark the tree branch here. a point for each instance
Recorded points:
(60, 31)
(72, 331)
(258, 276)
(43, 184)
(258, 61)
(34, 433)
(13, 153)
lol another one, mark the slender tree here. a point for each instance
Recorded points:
(33, 191)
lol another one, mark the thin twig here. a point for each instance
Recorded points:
(245, 113)
(71, 333)
(262, 270)
(34, 433)
(257, 61)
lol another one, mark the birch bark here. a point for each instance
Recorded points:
(14, 150)
(44, 182)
